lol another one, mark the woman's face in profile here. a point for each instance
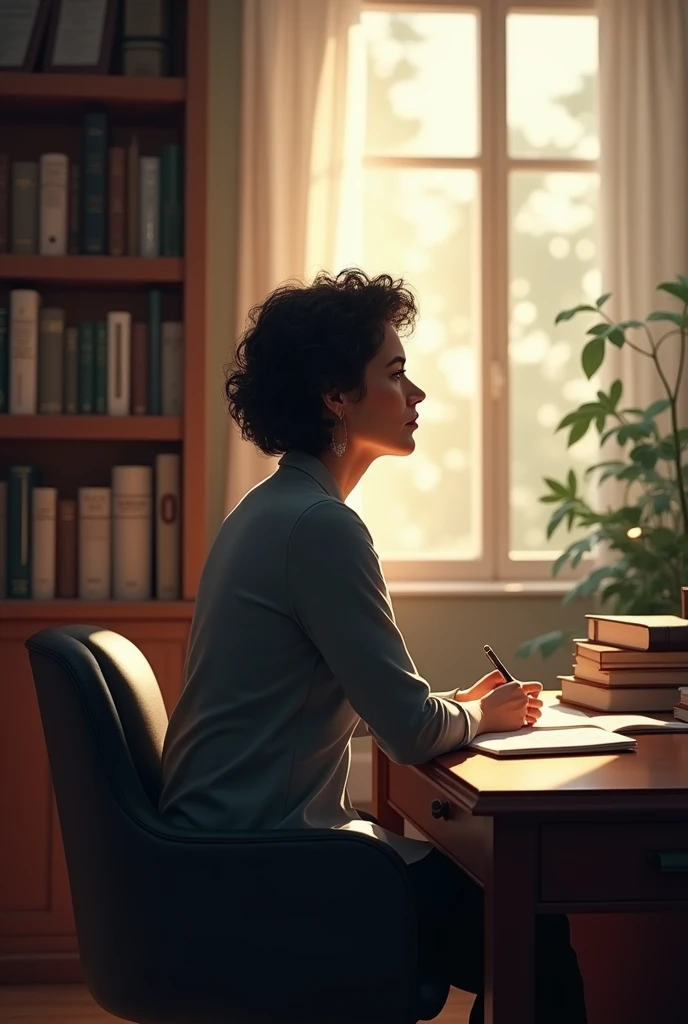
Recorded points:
(382, 422)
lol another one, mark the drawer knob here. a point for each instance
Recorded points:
(439, 808)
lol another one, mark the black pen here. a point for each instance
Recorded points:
(490, 654)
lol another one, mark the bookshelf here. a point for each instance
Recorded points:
(42, 112)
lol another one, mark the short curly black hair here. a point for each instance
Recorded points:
(306, 340)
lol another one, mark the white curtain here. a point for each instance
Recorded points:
(301, 143)
(644, 177)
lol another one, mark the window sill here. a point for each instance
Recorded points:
(477, 588)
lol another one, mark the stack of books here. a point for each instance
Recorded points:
(681, 709)
(629, 663)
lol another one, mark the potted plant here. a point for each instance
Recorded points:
(644, 540)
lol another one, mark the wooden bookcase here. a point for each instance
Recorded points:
(41, 112)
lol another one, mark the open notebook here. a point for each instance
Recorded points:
(564, 730)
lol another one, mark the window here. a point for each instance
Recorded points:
(480, 188)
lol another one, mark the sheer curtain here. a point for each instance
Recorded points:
(644, 176)
(301, 146)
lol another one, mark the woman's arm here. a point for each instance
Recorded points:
(339, 597)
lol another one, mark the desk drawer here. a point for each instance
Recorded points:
(467, 840)
(614, 862)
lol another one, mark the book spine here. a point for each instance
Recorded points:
(50, 360)
(171, 201)
(3, 538)
(66, 554)
(43, 538)
(139, 369)
(133, 186)
(119, 363)
(101, 366)
(132, 525)
(24, 306)
(87, 363)
(4, 202)
(95, 543)
(154, 354)
(149, 200)
(167, 526)
(54, 178)
(145, 58)
(74, 209)
(24, 207)
(172, 368)
(4, 361)
(71, 370)
(94, 164)
(146, 18)
(116, 201)
(20, 483)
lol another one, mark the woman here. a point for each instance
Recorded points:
(293, 639)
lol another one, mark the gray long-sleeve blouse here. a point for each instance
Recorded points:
(293, 641)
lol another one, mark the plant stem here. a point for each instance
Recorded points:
(671, 394)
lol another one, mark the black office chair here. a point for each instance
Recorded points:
(177, 926)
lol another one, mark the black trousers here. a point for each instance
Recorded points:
(450, 913)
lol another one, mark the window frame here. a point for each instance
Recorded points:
(494, 166)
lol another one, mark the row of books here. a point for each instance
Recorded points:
(115, 202)
(147, 40)
(110, 366)
(629, 663)
(120, 542)
(681, 709)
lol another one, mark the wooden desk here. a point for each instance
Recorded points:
(577, 835)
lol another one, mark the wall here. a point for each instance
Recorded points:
(444, 634)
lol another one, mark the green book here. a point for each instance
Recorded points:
(171, 201)
(154, 353)
(94, 184)
(20, 483)
(24, 206)
(100, 375)
(50, 360)
(4, 361)
(86, 368)
(71, 371)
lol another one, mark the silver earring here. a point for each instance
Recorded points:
(337, 448)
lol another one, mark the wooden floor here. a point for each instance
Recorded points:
(71, 1004)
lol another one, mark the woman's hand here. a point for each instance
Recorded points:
(509, 706)
(481, 688)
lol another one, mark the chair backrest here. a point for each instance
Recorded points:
(136, 696)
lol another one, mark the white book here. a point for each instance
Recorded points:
(149, 205)
(172, 367)
(118, 363)
(95, 543)
(54, 178)
(43, 542)
(3, 538)
(167, 526)
(132, 532)
(24, 306)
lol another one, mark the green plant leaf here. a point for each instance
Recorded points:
(558, 515)
(656, 408)
(593, 356)
(617, 337)
(560, 490)
(578, 430)
(661, 503)
(645, 455)
(602, 299)
(673, 318)
(568, 314)
(615, 393)
(599, 329)
(672, 288)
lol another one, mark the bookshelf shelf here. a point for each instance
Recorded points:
(93, 611)
(111, 91)
(91, 428)
(79, 270)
